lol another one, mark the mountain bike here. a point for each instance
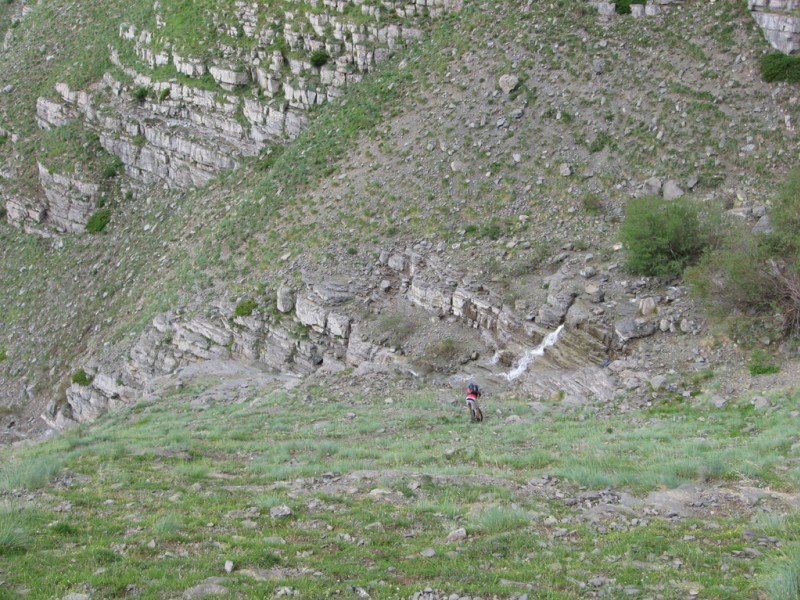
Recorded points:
(475, 412)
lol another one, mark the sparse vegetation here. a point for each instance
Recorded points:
(761, 363)
(295, 441)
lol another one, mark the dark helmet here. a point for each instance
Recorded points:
(471, 387)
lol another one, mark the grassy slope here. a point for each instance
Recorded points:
(160, 496)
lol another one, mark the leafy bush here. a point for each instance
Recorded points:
(319, 58)
(756, 276)
(245, 307)
(662, 237)
(623, 7)
(98, 221)
(760, 363)
(81, 378)
(784, 217)
(140, 93)
(778, 66)
(732, 276)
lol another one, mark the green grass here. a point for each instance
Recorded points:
(194, 489)
(31, 473)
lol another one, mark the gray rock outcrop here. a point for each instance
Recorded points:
(781, 26)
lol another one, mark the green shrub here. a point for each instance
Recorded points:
(82, 378)
(319, 58)
(753, 276)
(662, 237)
(732, 277)
(163, 95)
(3, 355)
(140, 93)
(98, 221)
(778, 66)
(623, 7)
(784, 217)
(245, 307)
(760, 363)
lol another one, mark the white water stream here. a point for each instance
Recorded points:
(526, 360)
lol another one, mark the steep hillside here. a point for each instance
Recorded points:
(252, 251)
(503, 141)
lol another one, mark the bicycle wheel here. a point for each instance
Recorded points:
(478, 413)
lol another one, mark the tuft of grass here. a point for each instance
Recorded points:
(194, 472)
(498, 519)
(140, 94)
(319, 58)
(781, 579)
(168, 526)
(31, 473)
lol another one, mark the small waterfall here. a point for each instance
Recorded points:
(526, 360)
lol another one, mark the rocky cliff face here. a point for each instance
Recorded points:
(212, 111)
(780, 24)
(326, 325)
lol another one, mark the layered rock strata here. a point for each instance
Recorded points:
(779, 22)
(318, 326)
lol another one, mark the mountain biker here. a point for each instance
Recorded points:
(473, 393)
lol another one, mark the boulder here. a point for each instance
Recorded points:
(285, 300)
(508, 83)
(672, 190)
(627, 329)
(652, 187)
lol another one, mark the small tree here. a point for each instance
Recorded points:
(662, 237)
